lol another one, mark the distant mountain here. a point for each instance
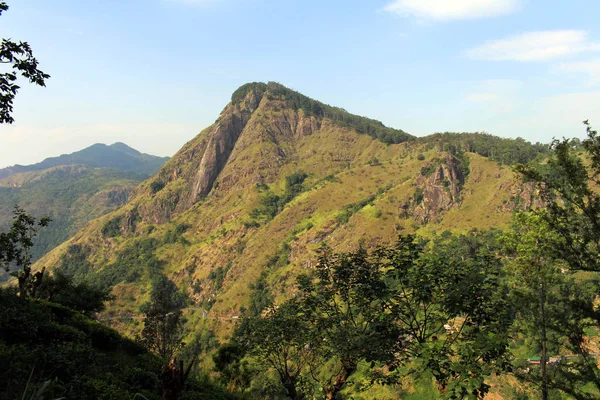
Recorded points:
(117, 155)
(73, 189)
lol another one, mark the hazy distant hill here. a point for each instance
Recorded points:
(239, 211)
(99, 181)
(117, 155)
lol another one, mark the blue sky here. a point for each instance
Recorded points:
(154, 73)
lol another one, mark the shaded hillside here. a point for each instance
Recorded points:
(239, 211)
(70, 195)
(117, 155)
(48, 351)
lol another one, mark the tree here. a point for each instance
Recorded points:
(163, 321)
(450, 308)
(553, 309)
(230, 363)
(20, 57)
(572, 206)
(282, 340)
(536, 279)
(15, 250)
(82, 296)
(346, 298)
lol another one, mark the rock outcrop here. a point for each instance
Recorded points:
(438, 189)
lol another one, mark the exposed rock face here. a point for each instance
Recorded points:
(523, 196)
(438, 192)
(118, 196)
(258, 120)
(199, 164)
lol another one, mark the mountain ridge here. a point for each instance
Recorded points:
(254, 195)
(99, 155)
(73, 194)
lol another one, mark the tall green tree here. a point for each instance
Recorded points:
(15, 250)
(282, 340)
(20, 58)
(572, 205)
(347, 299)
(163, 321)
(537, 277)
(554, 310)
(450, 307)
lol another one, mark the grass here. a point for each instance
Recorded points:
(337, 162)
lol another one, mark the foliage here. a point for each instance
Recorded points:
(505, 151)
(347, 299)
(418, 309)
(135, 261)
(419, 195)
(272, 204)
(112, 228)
(281, 340)
(451, 310)
(176, 235)
(572, 206)
(75, 263)
(82, 296)
(344, 216)
(229, 362)
(163, 319)
(44, 342)
(261, 298)
(311, 107)
(15, 250)
(157, 185)
(218, 276)
(20, 57)
(554, 311)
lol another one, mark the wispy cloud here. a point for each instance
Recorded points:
(192, 2)
(497, 95)
(591, 69)
(452, 9)
(535, 46)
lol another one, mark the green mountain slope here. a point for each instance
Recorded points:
(118, 156)
(74, 193)
(239, 211)
(70, 195)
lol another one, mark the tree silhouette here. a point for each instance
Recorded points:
(20, 57)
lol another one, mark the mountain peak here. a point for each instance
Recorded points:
(123, 148)
(251, 94)
(99, 155)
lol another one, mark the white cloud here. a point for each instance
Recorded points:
(495, 95)
(452, 9)
(552, 116)
(589, 68)
(535, 46)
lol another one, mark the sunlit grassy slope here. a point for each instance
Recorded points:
(358, 191)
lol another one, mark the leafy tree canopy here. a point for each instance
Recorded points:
(19, 56)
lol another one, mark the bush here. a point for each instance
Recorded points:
(157, 185)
